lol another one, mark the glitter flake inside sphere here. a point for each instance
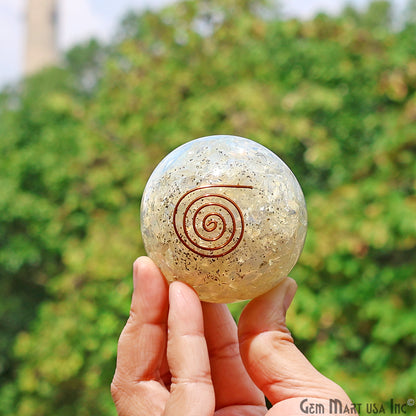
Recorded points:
(224, 215)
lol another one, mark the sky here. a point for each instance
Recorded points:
(83, 19)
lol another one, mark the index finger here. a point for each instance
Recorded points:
(192, 392)
(142, 343)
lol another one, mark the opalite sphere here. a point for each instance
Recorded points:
(225, 215)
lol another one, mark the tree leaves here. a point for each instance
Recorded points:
(333, 97)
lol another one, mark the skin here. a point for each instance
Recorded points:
(178, 356)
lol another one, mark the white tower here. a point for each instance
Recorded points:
(41, 35)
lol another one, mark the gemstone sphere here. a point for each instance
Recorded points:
(225, 215)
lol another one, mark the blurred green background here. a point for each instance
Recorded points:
(334, 97)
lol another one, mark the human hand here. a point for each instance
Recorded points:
(176, 357)
(164, 365)
(290, 382)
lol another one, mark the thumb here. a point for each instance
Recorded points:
(272, 360)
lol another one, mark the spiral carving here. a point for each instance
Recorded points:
(209, 224)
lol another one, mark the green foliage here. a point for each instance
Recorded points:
(85, 63)
(334, 97)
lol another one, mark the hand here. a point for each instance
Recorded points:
(177, 356)
(167, 364)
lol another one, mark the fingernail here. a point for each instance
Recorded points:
(137, 266)
(175, 291)
(290, 292)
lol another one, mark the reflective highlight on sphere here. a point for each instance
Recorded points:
(225, 215)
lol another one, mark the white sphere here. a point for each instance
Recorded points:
(225, 215)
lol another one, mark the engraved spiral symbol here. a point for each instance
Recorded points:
(209, 223)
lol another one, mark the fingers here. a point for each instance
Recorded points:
(142, 341)
(274, 363)
(191, 389)
(232, 384)
(142, 344)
